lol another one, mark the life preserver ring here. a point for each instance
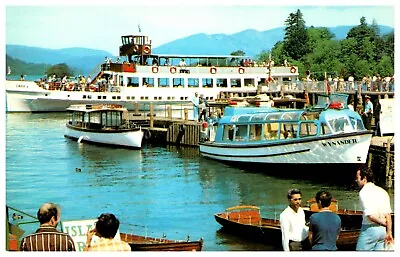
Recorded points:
(92, 88)
(172, 69)
(213, 70)
(146, 50)
(70, 87)
(136, 48)
(241, 70)
(293, 69)
(154, 69)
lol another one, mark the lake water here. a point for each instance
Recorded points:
(159, 189)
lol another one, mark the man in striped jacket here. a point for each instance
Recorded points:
(47, 237)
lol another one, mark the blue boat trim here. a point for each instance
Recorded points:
(261, 156)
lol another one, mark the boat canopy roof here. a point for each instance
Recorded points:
(193, 56)
(96, 108)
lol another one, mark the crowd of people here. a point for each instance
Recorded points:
(324, 226)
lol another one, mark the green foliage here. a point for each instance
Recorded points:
(19, 67)
(238, 53)
(60, 70)
(362, 53)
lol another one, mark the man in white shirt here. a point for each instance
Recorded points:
(376, 229)
(293, 224)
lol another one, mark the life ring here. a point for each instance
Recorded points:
(136, 48)
(147, 134)
(172, 69)
(241, 70)
(154, 69)
(146, 50)
(293, 69)
(213, 70)
(70, 87)
(92, 88)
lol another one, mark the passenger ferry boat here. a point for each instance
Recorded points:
(103, 124)
(326, 133)
(146, 77)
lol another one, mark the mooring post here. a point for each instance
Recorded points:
(185, 113)
(169, 112)
(151, 115)
(388, 170)
(136, 108)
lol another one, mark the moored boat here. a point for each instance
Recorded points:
(327, 133)
(103, 124)
(146, 77)
(246, 221)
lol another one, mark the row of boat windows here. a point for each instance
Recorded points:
(96, 120)
(288, 130)
(145, 98)
(189, 82)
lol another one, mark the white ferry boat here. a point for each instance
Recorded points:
(150, 78)
(327, 133)
(103, 125)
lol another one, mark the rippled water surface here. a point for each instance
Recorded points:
(159, 189)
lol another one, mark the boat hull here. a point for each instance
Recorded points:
(126, 138)
(337, 149)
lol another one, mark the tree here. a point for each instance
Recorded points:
(60, 70)
(296, 41)
(238, 53)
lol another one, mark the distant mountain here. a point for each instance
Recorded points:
(251, 41)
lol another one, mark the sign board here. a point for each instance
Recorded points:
(78, 229)
(387, 116)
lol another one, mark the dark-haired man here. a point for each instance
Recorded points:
(376, 226)
(324, 225)
(106, 228)
(47, 237)
(293, 224)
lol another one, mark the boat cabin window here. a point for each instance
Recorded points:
(325, 130)
(76, 119)
(255, 132)
(271, 131)
(193, 82)
(308, 129)
(207, 82)
(340, 124)
(178, 82)
(222, 83)
(288, 130)
(235, 82)
(241, 133)
(148, 82)
(112, 118)
(357, 123)
(163, 82)
(228, 133)
(133, 82)
(249, 82)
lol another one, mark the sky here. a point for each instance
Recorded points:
(83, 24)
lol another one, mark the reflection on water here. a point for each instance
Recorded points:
(157, 190)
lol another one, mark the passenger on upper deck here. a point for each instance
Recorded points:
(155, 62)
(182, 63)
(166, 63)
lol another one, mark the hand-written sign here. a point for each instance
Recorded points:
(78, 229)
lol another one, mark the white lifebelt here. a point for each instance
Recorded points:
(154, 69)
(92, 88)
(241, 70)
(172, 69)
(293, 69)
(136, 48)
(213, 70)
(146, 50)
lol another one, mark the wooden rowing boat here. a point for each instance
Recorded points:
(246, 221)
(144, 243)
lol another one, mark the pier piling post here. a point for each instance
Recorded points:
(151, 115)
(185, 111)
(169, 112)
(389, 174)
(136, 108)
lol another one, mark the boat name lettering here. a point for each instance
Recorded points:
(19, 85)
(341, 142)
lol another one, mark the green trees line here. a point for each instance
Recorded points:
(363, 53)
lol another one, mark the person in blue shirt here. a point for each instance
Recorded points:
(325, 226)
(368, 111)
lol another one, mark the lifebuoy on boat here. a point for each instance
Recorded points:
(70, 87)
(154, 69)
(293, 69)
(213, 70)
(146, 49)
(136, 48)
(172, 69)
(241, 70)
(92, 88)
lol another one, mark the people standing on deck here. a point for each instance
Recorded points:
(107, 226)
(195, 102)
(47, 237)
(325, 226)
(293, 224)
(182, 63)
(377, 115)
(376, 228)
(368, 112)
(202, 108)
